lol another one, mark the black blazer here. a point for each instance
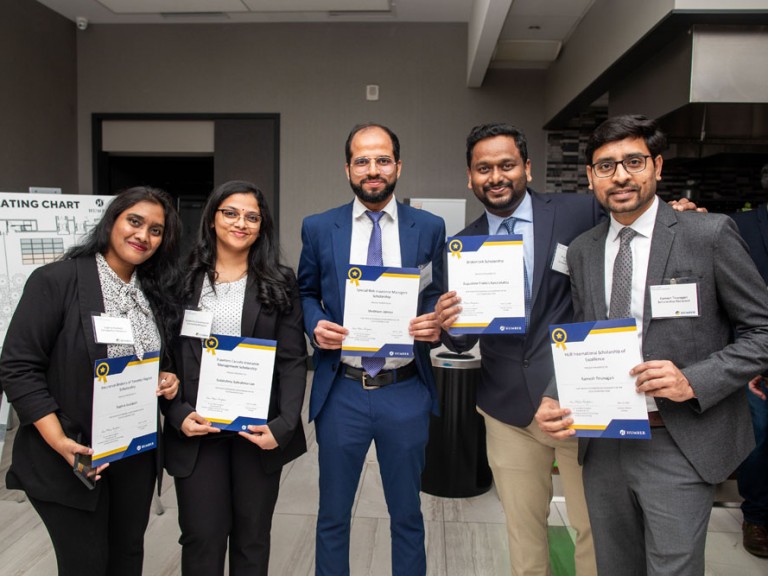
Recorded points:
(47, 366)
(517, 368)
(753, 226)
(288, 384)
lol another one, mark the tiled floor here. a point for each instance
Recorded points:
(465, 537)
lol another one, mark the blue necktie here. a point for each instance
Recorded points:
(509, 224)
(374, 365)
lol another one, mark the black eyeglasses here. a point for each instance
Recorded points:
(232, 215)
(632, 164)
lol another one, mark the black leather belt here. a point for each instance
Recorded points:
(383, 378)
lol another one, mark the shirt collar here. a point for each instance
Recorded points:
(524, 212)
(643, 225)
(359, 209)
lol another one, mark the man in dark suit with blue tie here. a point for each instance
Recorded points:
(354, 402)
(517, 368)
(753, 473)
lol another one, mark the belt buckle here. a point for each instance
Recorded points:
(367, 386)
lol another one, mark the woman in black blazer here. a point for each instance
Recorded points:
(125, 268)
(227, 483)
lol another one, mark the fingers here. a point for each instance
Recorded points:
(329, 335)
(196, 425)
(447, 309)
(756, 387)
(261, 436)
(553, 420)
(168, 385)
(425, 328)
(662, 379)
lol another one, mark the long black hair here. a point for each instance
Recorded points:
(159, 275)
(275, 282)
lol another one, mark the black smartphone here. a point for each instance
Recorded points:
(83, 469)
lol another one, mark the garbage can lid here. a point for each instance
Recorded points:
(455, 361)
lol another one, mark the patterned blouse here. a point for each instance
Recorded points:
(226, 303)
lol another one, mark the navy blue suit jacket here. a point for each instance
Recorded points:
(753, 227)
(517, 369)
(323, 266)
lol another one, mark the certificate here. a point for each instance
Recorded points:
(124, 407)
(378, 307)
(235, 381)
(592, 364)
(487, 273)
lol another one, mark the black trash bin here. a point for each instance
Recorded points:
(456, 461)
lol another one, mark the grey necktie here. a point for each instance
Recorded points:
(509, 224)
(375, 258)
(621, 290)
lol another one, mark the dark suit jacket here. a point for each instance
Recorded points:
(517, 369)
(753, 226)
(47, 367)
(326, 240)
(713, 430)
(288, 385)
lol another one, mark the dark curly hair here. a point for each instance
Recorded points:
(159, 275)
(274, 280)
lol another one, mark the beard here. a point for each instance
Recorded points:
(507, 204)
(373, 198)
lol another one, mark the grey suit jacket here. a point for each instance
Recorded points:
(713, 430)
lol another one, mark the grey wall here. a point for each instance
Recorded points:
(38, 94)
(314, 76)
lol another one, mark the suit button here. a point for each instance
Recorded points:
(526, 363)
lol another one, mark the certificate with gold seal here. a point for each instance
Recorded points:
(487, 273)
(379, 304)
(235, 381)
(124, 407)
(592, 364)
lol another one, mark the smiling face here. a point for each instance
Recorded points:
(136, 235)
(625, 194)
(498, 175)
(374, 184)
(237, 223)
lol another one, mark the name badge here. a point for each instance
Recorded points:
(197, 323)
(425, 278)
(559, 262)
(111, 330)
(674, 300)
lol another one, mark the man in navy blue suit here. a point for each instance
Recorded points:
(354, 401)
(753, 473)
(517, 368)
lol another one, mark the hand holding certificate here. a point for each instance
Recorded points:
(592, 364)
(124, 407)
(378, 307)
(235, 381)
(487, 272)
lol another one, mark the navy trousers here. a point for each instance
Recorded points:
(753, 473)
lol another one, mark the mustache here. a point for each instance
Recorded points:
(621, 189)
(504, 183)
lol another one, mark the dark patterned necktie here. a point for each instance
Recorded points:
(370, 364)
(509, 224)
(621, 290)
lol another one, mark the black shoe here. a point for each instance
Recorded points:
(755, 539)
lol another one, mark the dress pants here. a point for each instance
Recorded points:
(396, 418)
(521, 461)
(753, 473)
(648, 506)
(110, 540)
(228, 498)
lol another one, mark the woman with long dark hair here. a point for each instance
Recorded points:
(227, 483)
(125, 268)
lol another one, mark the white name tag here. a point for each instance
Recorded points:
(425, 278)
(197, 323)
(111, 330)
(559, 263)
(674, 301)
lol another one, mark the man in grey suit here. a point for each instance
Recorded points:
(649, 501)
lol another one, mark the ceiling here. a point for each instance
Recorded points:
(502, 33)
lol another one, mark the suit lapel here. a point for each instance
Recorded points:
(91, 302)
(596, 270)
(251, 308)
(194, 345)
(661, 246)
(543, 225)
(762, 223)
(409, 238)
(341, 242)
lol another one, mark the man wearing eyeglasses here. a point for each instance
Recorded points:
(355, 401)
(649, 501)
